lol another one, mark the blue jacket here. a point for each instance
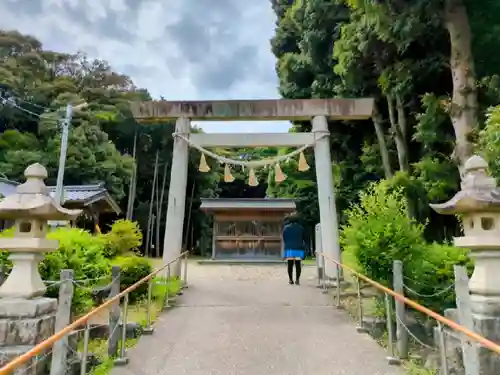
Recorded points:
(293, 236)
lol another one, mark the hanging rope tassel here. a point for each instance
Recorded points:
(279, 176)
(228, 177)
(303, 166)
(252, 178)
(203, 164)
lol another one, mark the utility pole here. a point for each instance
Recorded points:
(62, 156)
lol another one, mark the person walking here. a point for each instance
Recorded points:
(293, 240)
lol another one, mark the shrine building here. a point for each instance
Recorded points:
(247, 228)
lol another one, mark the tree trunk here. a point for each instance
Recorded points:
(133, 182)
(162, 197)
(190, 209)
(402, 119)
(149, 233)
(401, 144)
(463, 108)
(398, 126)
(382, 144)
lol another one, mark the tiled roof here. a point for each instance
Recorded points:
(86, 194)
(79, 192)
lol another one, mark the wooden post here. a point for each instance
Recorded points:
(319, 257)
(63, 318)
(469, 349)
(401, 333)
(2, 273)
(114, 314)
(214, 235)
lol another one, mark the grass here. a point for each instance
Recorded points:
(138, 312)
(413, 368)
(349, 259)
(310, 261)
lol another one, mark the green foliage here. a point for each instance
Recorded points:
(84, 254)
(78, 250)
(133, 269)
(357, 48)
(125, 236)
(489, 141)
(6, 233)
(102, 135)
(378, 231)
(433, 272)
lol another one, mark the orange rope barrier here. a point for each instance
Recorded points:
(450, 323)
(15, 363)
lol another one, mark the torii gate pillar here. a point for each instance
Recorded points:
(326, 196)
(172, 242)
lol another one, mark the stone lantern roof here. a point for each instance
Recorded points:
(479, 191)
(32, 199)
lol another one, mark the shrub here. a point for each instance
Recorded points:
(125, 236)
(132, 269)
(82, 252)
(78, 250)
(432, 275)
(378, 231)
(4, 255)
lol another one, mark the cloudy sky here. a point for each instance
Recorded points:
(180, 49)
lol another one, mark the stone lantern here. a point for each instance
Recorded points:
(478, 204)
(26, 317)
(30, 208)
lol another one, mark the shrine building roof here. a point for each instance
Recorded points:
(261, 204)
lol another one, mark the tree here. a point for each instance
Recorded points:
(399, 53)
(453, 15)
(102, 135)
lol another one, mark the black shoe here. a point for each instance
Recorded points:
(290, 282)
(297, 282)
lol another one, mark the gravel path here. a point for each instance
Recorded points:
(247, 320)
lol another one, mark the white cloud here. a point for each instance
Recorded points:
(180, 49)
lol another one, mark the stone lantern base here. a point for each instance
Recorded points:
(25, 323)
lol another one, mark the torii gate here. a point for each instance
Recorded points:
(317, 110)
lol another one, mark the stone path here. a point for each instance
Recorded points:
(247, 320)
